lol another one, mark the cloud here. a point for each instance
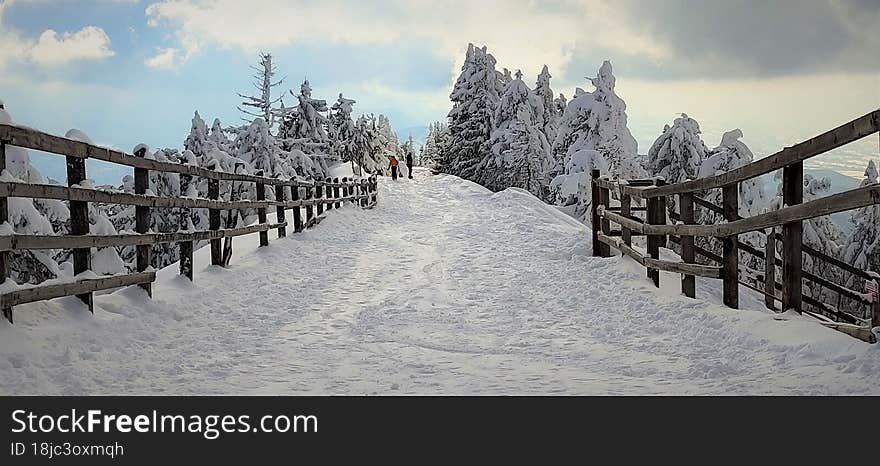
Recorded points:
(673, 39)
(164, 59)
(89, 43)
(52, 49)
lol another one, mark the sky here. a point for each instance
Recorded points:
(127, 71)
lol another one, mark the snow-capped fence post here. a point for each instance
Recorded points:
(297, 212)
(319, 195)
(656, 215)
(261, 211)
(688, 256)
(214, 218)
(770, 270)
(4, 217)
(79, 223)
(142, 220)
(626, 211)
(279, 210)
(792, 238)
(185, 247)
(605, 224)
(730, 247)
(337, 190)
(594, 213)
(310, 208)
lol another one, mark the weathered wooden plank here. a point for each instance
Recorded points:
(792, 233)
(8, 243)
(185, 247)
(688, 282)
(79, 287)
(841, 202)
(707, 271)
(831, 260)
(844, 134)
(47, 191)
(38, 140)
(142, 221)
(730, 248)
(79, 224)
(606, 183)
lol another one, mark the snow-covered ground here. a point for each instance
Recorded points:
(443, 288)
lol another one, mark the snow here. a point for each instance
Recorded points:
(442, 288)
(78, 135)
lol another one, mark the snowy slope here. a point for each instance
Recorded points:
(443, 288)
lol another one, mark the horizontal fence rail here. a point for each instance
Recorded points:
(789, 219)
(308, 202)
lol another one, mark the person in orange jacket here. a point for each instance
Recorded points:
(392, 164)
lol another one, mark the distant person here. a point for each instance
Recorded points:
(409, 164)
(392, 164)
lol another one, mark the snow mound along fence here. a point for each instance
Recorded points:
(723, 262)
(307, 200)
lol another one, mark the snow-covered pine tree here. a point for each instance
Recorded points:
(343, 129)
(545, 93)
(303, 128)
(262, 105)
(862, 247)
(559, 105)
(597, 120)
(677, 154)
(471, 120)
(519, 149)
(572, 190)
(730, 154)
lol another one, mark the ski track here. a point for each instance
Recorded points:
(443, 288)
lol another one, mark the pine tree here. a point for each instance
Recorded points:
(263, 104)
(545, 93)
(862, 248)
(597, 120)
(343, 129)
(519, 148)
(471, 120)
(677, 154)
(730, 154)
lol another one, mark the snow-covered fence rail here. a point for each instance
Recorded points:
(312, 197)
(789, 218)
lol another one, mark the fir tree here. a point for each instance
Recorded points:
(262, 105)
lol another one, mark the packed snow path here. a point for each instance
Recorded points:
(443, 288)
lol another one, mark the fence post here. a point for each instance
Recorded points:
(142, 220)
(261, 211)
(186, 247)
(214, 219)
(362, 190)
(792, 238)
(604, 223)
(310, 196)
(374, 186)
(730, 247)
(79, 224)
(686, 207)
(626, 211)
(319, 197)
(875, 309)
(656, 215)
(4, 217)
(770, 270)
(297, 210)
(337, 190)
(594, 213)
(279, 209)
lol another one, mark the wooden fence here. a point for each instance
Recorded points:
(308, 197)
(789, 219)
